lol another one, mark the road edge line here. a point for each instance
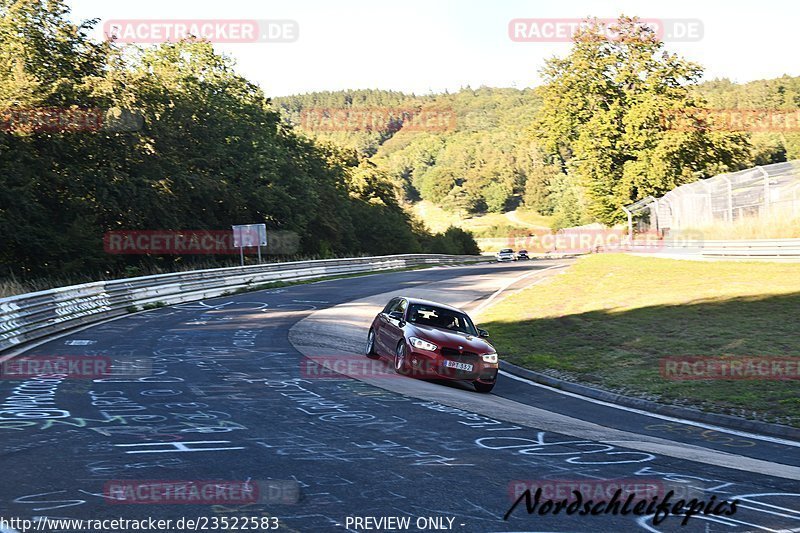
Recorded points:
(755, 427)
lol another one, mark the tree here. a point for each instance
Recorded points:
(496, 195)
(603, 118)
(539, 183)
(209, 152)
(569, 202)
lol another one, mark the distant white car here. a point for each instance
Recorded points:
(506, 254)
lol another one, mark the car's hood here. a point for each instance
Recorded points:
(451, 339)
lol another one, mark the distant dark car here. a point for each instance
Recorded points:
(522, 254)
(431, 340)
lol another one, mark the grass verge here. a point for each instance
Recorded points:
(778, 226)
(610, 319)
(487, 225)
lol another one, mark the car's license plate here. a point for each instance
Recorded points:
(458, 366)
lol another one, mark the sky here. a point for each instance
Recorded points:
(425, 46)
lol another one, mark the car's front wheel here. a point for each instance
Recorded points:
(401, 359)
(370, 350)
(483, 387)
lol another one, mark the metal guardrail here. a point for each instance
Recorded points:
(766, 249)
(36, 315)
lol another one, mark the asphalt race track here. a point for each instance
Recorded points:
(228, 397)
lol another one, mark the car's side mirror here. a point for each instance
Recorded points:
(483, 333)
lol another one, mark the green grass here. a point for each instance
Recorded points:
(488, 225)
(533, 218)
(609, 319)
(781, 225)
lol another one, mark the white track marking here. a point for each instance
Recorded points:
(656, 415)
(497, 293)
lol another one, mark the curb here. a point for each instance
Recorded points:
(726, 421)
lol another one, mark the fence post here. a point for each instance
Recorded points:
(730, 198)
(630, 223)
(766, 190)
(656, 212)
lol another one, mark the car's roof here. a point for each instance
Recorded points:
(428, 302)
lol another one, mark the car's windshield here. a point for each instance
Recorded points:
(429, 315)
(506, 251)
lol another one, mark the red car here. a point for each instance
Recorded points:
(432, 340)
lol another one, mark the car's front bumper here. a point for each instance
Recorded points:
(432, 365)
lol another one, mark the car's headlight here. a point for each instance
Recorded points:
(423, 345)
(489, 357)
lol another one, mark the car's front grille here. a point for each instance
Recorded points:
(456, 354)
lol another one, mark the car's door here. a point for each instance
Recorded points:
(380, 326)
(392, 332)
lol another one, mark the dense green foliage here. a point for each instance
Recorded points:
(603, 120)
(481, 162)
(591, 139)
(779, 94)
(210, 152)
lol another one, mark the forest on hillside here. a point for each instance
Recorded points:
(571, 149)
(196, 146)
(207, 151)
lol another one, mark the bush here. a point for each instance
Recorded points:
(454, 241)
